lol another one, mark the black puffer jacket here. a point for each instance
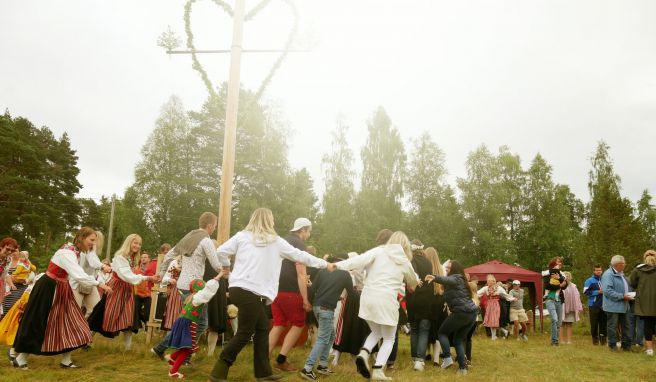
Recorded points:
(456, 294)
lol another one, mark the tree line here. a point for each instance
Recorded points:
(501, 209)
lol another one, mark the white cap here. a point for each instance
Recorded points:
(516, 282)
(301, 223)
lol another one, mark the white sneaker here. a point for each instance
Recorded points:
(462, 371)
(379, 375)
(447, 362)
(524, 337)
(419, 366)
(650, 352)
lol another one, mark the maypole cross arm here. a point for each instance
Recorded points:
(170, 43)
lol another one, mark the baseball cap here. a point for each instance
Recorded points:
(301, 223)
(516, 282)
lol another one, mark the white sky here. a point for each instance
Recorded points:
(552, 77)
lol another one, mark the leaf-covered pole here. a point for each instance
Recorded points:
(229, 141)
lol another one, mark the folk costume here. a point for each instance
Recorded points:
(53, 322)
(115, 311)
(184, 332)
(174, 296)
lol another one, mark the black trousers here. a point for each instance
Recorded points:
(597, 324)
(141, 312)
(253, 322)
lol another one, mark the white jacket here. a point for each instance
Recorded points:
(387, 268)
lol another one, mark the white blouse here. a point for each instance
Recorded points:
(121, 266)
(204, 295)
(66, 260)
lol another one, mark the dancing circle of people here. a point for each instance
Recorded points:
(275, 286)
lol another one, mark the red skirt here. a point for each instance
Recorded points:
(53, 322)
(119, 306)
(173, 308)
(492, 313)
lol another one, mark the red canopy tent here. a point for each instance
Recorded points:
(502, 272)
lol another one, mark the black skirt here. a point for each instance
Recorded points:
(217, 307)
(438, 315)
(354, 330)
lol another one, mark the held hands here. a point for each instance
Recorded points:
(307, 306)
(106, 288)
(155, 278)
(331, 267)
(226, 272)
(429, 278)
(172, 282)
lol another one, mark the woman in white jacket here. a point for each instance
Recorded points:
(387, 268)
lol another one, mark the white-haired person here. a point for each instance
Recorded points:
(53, 322)
(115, 312)
(388, 267)
(643, 280)
(616, 302)
(258, 252)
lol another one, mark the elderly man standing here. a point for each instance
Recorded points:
(616, 302)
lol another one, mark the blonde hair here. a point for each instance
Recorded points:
(568, 276)
(473, 287)
(261, 225)
(100, 241)
(125, 248)
(400, 238)
(432, 255)
(650, 257)
(205, 219)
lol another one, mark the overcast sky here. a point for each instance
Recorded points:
(553, 77)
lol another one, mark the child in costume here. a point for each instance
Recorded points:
(183, 334)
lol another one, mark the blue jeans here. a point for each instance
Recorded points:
(636, 329)
(555, 309)
(612, 320)
(419, 331)
(200, 329)
(459, 324)
(325, 338)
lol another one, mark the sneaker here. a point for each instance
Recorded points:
(419, 366)
(650, 352)
(462, 371)
(309, 375)
(447, 362)
(524, 337)
(176, 375)
(285, 366)
(69, 366)
(159, 354)
(324, 370)
(19, 366)
(362, 363)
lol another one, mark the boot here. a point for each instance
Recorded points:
(379, 375)
(362, 363)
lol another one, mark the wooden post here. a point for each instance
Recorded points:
(111, 228)
(230, 136)
(152, 324)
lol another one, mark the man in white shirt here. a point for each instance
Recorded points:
(194, 248)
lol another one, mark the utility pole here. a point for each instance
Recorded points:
(230, 136)
(111, 228)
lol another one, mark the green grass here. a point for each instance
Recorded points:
(501, 360)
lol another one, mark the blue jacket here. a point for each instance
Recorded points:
(591, 289)
(456, 293)
(614, 290)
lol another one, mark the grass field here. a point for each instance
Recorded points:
(501, 360)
